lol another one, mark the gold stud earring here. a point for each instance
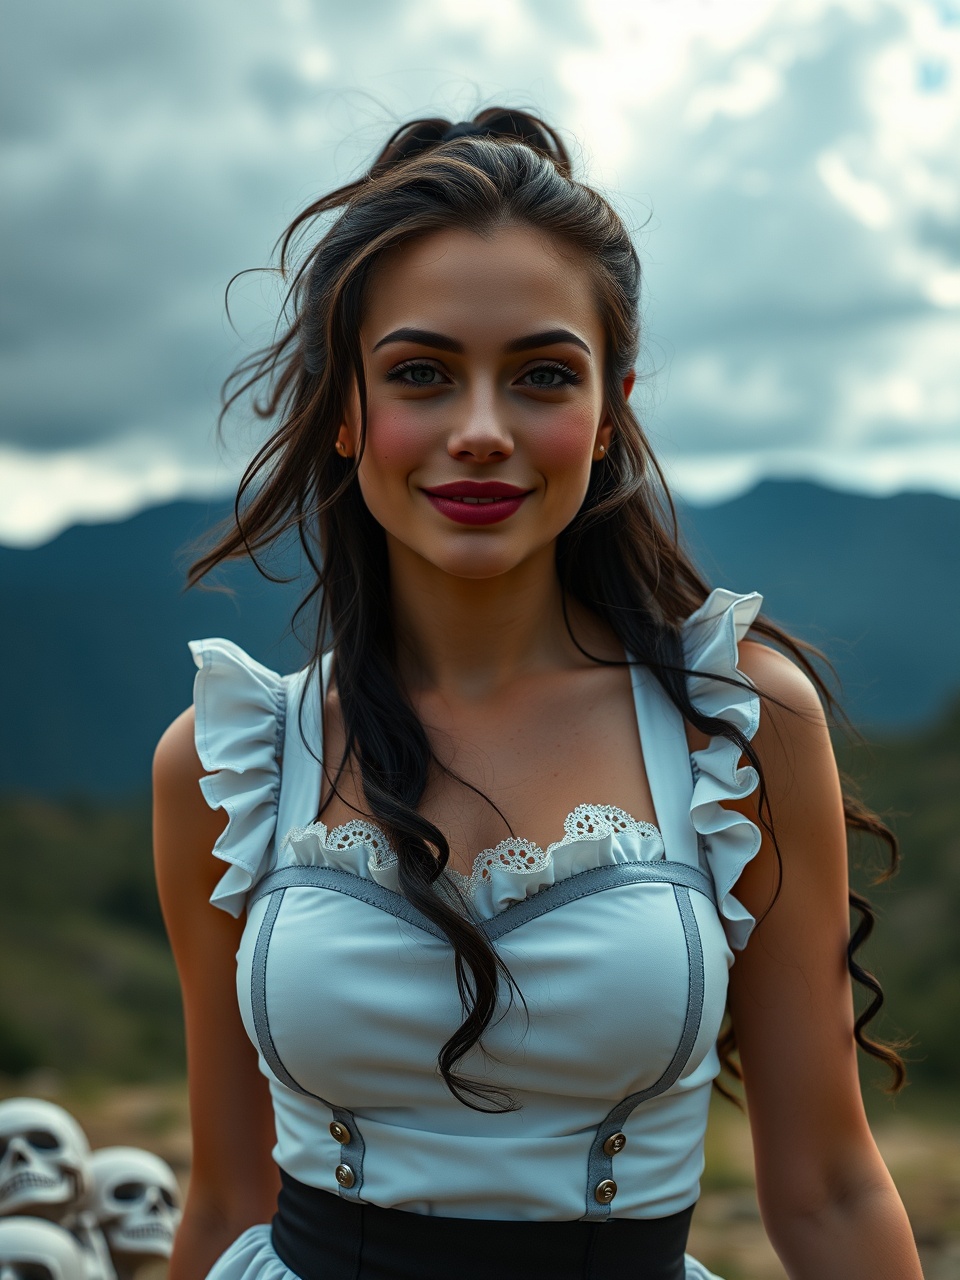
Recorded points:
(601, 449)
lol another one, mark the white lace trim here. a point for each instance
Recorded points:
(514, 857)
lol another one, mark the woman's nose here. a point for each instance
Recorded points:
(481, 431)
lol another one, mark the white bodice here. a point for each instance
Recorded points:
(619, 936)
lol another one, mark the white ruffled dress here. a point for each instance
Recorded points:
(619, 936)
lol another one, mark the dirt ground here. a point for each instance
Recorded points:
(727, 1234)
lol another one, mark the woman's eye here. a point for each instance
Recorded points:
(546, 377)
(550, 377)
(415, 374)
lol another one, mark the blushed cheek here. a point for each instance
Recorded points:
(563, 448)
(396, 442)
(397, 446)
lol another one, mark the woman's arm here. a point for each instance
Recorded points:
(234, 1181)
(828, 1203)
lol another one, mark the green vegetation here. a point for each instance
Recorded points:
(914, 783)
(87, 985)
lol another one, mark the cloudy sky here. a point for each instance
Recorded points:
(789, 167)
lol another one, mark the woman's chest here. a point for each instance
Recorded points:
(354, 1002)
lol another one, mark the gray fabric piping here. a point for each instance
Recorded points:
(280, 712)
(354, 1150)
(354, 886)
(596, 880)
(599, 1164)
(581, 885)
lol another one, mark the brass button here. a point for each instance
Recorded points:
(614, 1144)
(344, 1175)
(341, 1132)
(605, 1191)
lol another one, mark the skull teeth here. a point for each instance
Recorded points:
(24, 1179)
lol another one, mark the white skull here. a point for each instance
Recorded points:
(33, 1249)
(44, 1159)
(136, 1200)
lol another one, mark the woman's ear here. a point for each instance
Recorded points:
(344, 443)
(605, 431)
(602, 442)
(348, 437)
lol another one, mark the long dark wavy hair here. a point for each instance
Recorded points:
(621, 557)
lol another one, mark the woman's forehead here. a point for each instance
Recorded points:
(515, 278)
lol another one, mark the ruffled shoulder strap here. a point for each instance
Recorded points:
(728, 840)
(239, 713)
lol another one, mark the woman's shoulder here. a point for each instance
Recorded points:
(792, 740)
(780, 680)
(185, 827)
(176, 761)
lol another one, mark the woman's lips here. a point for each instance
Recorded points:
(487, 502)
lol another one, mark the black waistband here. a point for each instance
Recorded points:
(320, 1236)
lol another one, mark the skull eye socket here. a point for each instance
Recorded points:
(128, 1191)
(42, 1139)
(168, 1199)
(32, 1271)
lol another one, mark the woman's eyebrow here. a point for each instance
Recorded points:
(545, 339)
(427, 338)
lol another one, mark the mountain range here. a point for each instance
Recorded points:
(95, 623)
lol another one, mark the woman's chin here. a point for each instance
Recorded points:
(477, 568)
(478, 563)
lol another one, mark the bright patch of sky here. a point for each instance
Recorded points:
(789, 168)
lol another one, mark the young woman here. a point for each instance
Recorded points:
(490, 855)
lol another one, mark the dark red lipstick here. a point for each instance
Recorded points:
(476, 501)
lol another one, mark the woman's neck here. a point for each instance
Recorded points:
(473, 637)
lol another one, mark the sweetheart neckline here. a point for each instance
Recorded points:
(512, 856)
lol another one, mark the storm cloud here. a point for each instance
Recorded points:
(789, 170)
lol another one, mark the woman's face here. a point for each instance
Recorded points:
(484, 363)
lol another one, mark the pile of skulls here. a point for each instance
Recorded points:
(69, 1213)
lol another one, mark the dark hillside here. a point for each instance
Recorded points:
(94, 647)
